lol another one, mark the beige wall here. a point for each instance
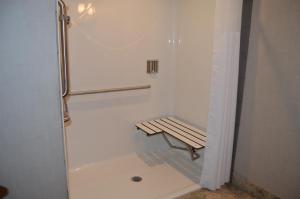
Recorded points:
(268, 144)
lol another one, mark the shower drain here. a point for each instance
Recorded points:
(136, 179)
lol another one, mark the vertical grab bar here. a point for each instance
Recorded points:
(64, 20)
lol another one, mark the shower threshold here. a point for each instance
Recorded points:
(161, 178)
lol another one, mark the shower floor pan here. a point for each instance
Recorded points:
(164, 174)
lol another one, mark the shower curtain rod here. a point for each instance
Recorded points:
(110, 90)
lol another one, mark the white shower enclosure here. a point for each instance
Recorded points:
(110, 41)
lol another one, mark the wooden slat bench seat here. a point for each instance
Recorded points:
(192, 137)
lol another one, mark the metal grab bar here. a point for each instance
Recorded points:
(110, 90)
(64, 20)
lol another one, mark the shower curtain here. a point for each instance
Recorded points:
(221, 119)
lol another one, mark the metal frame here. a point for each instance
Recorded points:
(193, 152)
(110, 90)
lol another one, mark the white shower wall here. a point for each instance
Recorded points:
(110, 41)
(195, 26)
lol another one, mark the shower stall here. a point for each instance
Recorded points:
(124, 62)
(78, 77)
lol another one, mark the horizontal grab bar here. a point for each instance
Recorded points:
(110, 90)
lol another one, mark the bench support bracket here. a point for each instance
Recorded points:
(194, 154)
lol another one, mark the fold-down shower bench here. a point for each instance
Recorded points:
(193, 138)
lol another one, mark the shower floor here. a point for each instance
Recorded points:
(165, 173)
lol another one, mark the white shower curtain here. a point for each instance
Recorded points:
(221, 119)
